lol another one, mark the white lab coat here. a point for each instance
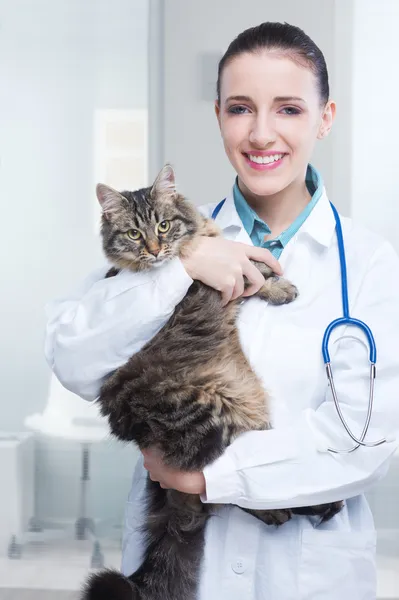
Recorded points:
(95, 330)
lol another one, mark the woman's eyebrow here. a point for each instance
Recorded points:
(238, 99)
(289, 99)
(276, 99)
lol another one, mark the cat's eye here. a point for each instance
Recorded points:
(164, 226)
(133, 234)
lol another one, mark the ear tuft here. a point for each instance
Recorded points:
(110, 200)
(165, 183)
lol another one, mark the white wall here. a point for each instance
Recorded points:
(191, 136)
(375, 122)
(59, 61)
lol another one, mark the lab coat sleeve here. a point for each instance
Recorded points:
(291, 467)
(96, 329)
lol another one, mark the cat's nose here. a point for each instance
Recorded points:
(154, 251)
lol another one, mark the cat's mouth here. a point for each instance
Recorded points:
(158, 262)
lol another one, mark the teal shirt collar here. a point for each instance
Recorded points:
(257, 229)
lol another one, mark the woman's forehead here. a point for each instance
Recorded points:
(268, 74)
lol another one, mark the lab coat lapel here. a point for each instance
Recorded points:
(230, 223)
(315, 236)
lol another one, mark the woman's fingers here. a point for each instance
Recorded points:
(222, 265)
(239, 286)
(227, 289)
(255, 279)
(265, 256)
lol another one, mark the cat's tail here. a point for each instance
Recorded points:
(174, 532)
(109, 585)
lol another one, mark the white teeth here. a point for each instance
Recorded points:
(264, 160)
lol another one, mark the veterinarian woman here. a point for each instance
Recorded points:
(273, 106)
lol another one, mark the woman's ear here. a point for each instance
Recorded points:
(217, 111)
(327, 119)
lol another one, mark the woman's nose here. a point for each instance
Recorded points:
(263, 132)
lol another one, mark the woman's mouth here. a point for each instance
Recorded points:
(264, 163)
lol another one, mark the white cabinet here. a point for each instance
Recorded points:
(17, 460)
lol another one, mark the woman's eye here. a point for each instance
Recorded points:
(290, 110)
(164, 226)
(133, 234)
(237, 110)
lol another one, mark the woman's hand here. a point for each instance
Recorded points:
(168, 478)
(222, 264)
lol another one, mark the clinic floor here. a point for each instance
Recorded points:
(52, 570)
(56, 572)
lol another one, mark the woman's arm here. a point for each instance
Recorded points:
(95, 330)
(290, 467)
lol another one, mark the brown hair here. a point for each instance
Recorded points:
(283, 37)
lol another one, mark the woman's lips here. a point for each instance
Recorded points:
(264, 161)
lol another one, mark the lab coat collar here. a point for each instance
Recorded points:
(228, 217)
(319, 225)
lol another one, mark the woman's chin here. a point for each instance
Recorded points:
(264, 188)
(263, 183)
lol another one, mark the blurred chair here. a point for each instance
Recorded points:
(70, 418)
(17, 490)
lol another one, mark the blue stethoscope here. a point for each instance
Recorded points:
(345, 320)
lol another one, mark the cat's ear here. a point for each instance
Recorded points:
(110, 200)
(165, 183)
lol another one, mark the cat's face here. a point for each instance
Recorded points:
(144, 228)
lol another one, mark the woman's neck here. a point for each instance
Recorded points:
(279, 210)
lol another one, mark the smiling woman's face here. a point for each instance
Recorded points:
(270, 116)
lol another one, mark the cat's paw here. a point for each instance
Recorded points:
(278, 290)
(277, 517)
(324, 511)
(271, 517)
(284, 292)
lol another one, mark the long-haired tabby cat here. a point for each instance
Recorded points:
(189, 392)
